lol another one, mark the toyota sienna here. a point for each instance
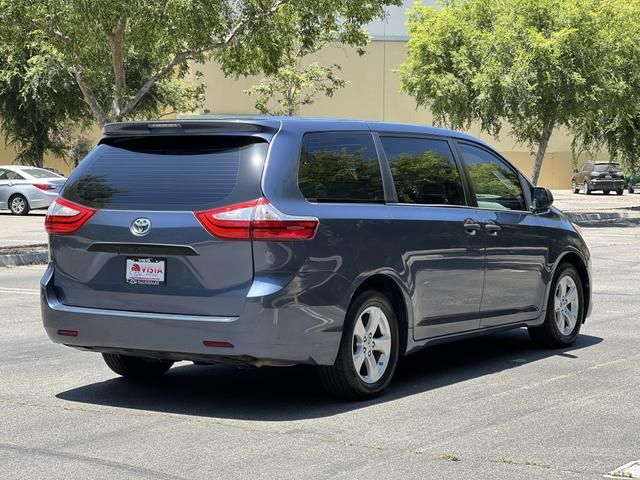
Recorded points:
(281, 241)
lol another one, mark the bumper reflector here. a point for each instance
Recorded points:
(68, 333)
(212, 343)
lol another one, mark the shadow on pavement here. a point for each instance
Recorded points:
(280, 394)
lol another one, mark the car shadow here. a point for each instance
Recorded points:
(281, 394)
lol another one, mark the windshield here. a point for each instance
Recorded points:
(40, 173)
(606, 167)
(168, 173)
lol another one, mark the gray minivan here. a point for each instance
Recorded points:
(282, 241)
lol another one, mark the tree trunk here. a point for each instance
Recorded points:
(116, 44)
(542, 150)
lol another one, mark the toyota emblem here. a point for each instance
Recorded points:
(140, 226)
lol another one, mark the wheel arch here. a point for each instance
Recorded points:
(399, 298)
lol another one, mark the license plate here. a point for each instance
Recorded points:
(607, 176)
(146, 271)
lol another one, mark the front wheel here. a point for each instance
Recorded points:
(368, 352)
(620, 192)
(565, 310)
(606, 192)
(136, 367)
(587, 191)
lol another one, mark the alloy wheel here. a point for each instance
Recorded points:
(566, 305)
(18, 205)
(371, 344)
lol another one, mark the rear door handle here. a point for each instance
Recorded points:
(471, 226)
(492, 228)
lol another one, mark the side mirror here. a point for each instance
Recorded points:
(542, 199)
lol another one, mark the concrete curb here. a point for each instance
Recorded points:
(589, 218)
(20, 259)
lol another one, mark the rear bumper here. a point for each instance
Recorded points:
(606, 184)
(40, 199)
(293, 334)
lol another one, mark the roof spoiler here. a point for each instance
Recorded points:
(189, 127)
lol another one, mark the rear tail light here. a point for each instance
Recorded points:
(257, 220)
(65, 217)
(44, 186)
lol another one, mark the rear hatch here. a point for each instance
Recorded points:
(143, 248)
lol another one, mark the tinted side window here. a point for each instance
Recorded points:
(340, 167)
(496, 185)
(424, 171)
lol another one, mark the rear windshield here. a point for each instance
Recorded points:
(169, 173)
(606, 167)
(40, 173)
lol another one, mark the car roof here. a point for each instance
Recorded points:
(275, 123)
(20, 167)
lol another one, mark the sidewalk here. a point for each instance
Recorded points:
(23, 240)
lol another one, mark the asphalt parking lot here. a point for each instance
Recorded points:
(494, 407)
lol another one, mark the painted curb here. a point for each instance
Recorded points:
(20, 259)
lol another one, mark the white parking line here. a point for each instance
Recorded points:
(628, 470)
(20, 291)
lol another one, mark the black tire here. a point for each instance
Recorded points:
(342, 380)
(136, 367)
(15, 209)
(575, 187)
(606, 192)
(548, 334)
(587, 191)
(631, 190)
(620, 192)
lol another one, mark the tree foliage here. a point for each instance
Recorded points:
(39, 102)
(612, 119)
(535, 64)
(295, 85)
(130, 58)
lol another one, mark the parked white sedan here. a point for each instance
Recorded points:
(25, 188)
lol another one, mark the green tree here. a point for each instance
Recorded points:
(130, 58)
(295, 84)
(532, 63)
(612, 120)
(39, 102)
